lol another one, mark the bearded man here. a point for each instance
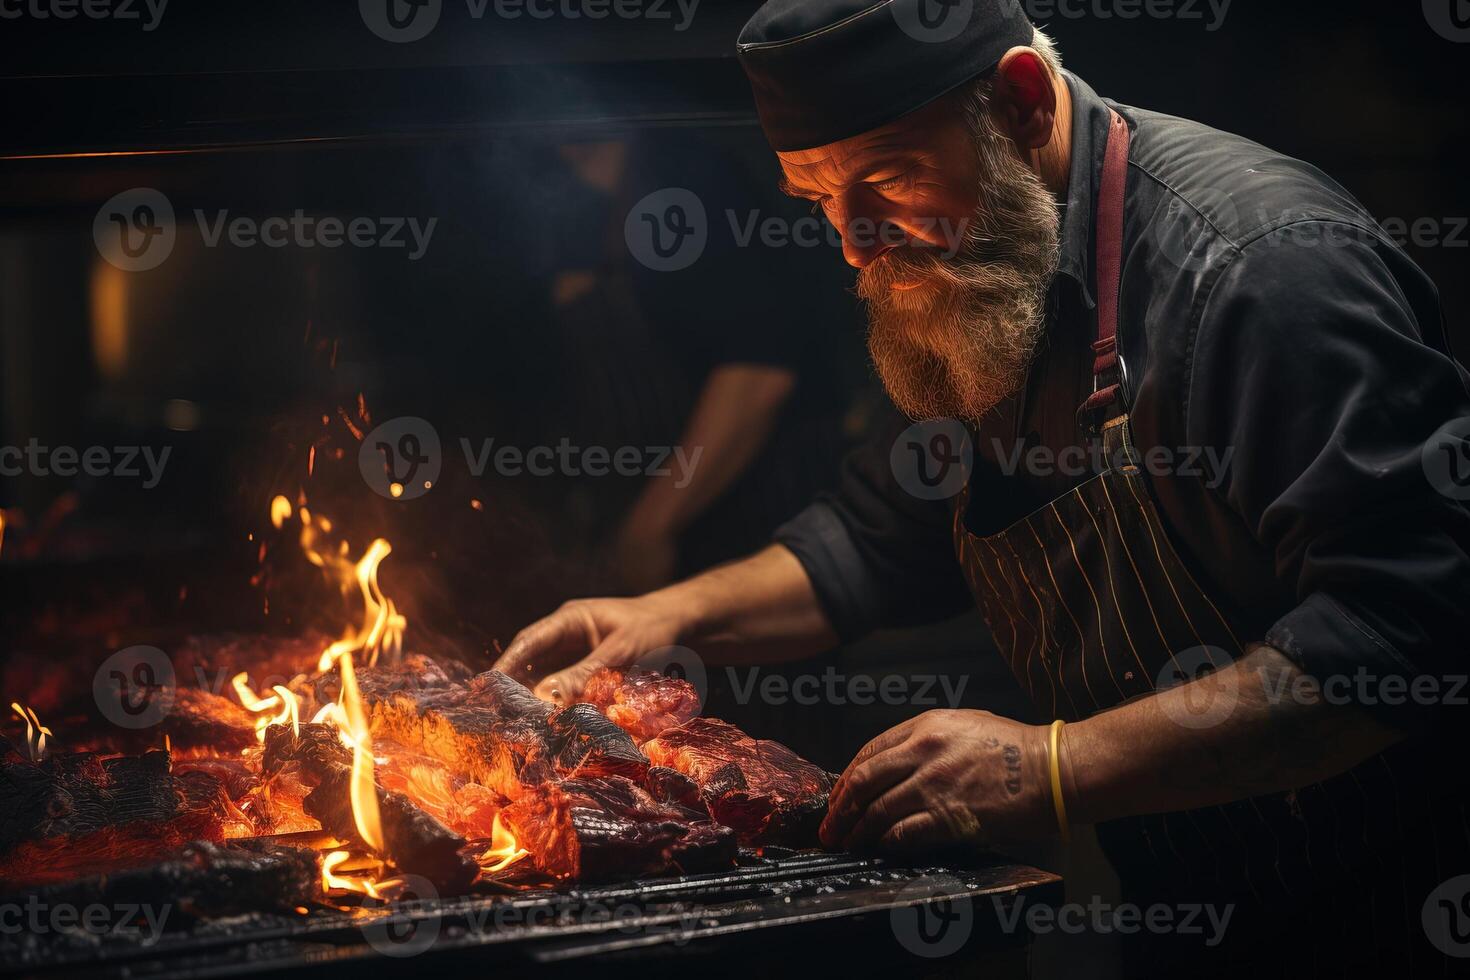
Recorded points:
(1054, 272)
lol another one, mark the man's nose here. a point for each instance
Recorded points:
(867, 234)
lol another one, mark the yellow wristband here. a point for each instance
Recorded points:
(1056, 779)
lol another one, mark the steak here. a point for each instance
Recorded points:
(642, 702)
(603, 827)
(762, 789)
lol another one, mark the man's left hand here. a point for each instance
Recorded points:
(945, 777)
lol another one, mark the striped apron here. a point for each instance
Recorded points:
(1092, 607)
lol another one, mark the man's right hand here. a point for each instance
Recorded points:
(586, 635)
(760, 609)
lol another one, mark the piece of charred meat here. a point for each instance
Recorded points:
(74, 794)
(642, 702)
(605, 827)
(762, 789)
(412, 839)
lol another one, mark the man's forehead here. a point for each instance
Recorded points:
(906, 135)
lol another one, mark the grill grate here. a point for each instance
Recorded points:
(800, 900)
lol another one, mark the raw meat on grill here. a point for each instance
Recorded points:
(642, 702)
(762, 789)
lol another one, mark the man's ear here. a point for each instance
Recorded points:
(1023, 87)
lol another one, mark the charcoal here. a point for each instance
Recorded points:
(57, 859)
(78, 793)
(198, 878)
(412, 839)
(762, 789)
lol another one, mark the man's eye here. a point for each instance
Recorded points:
(892, 183)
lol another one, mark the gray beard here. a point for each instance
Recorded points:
(963, 341)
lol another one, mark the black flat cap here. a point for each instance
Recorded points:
(824, 70)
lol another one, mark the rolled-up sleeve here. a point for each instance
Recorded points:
(1310, 361)
(878, 557)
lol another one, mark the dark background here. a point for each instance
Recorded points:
(234, 358)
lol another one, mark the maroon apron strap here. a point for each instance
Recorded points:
(1111, 193)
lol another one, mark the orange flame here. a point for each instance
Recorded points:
(504, 849)
(36, 733)
(362, 885)
(283, 702)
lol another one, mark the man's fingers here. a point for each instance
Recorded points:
(885, 812)
(565, 686)
(863, 783)
(893, 736)
(915, 833)
(561, 633)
